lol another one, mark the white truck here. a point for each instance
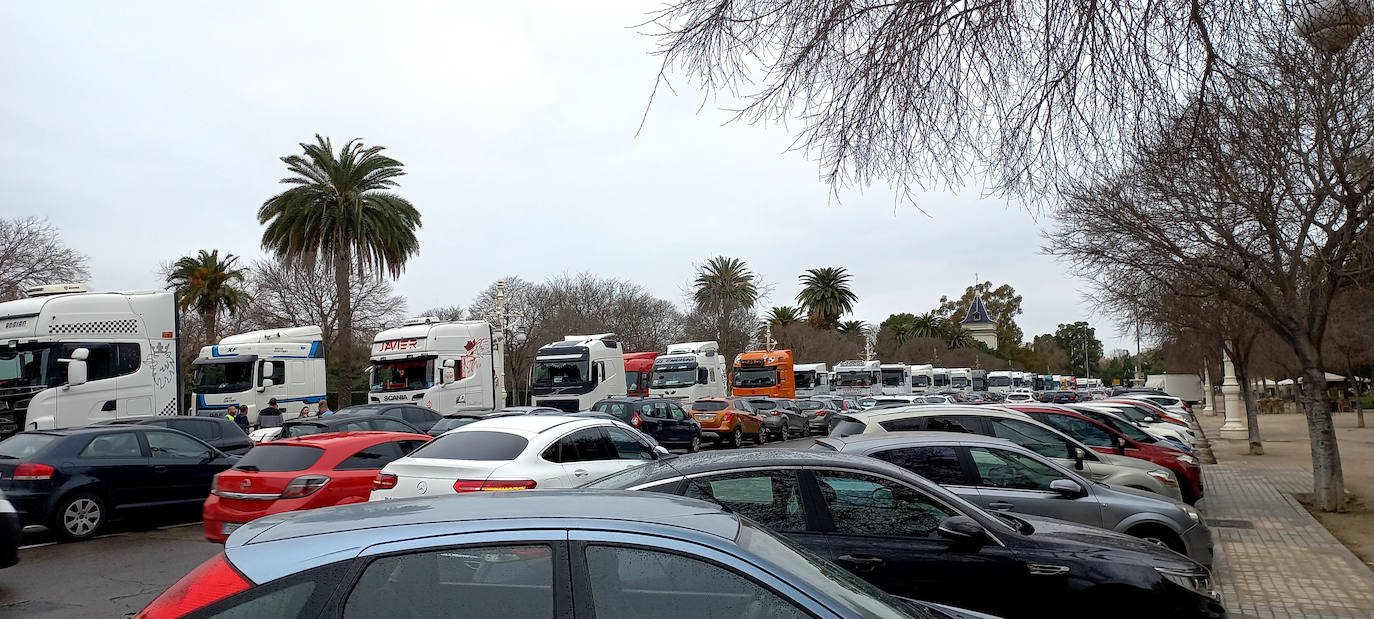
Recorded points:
(811, 379)
(1001, 382)
(251, 368)
(939, 379)
(448, 366)
(922, 378)
(690, 370)
(960, 379)
(1022, 380)
(858, 377)
(71, 358)
(896, 378)
(575, 373)
(1186, 387)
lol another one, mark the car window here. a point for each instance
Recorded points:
(1000, 468)
(293, 430)
(647, 410)
(952, 424)
(862, 504)
(25, 445)
(619, 410)
(174, 445)
(743, 405)
(581, 446)
(763, 405)
(627, 446)
(811, 405)
(417, 415)
(637, 582)
(708, 406)
(113, 445)
(1034, 438)
(391, 425)
(904, 424)
(489, 581)
(676, 412)
(771, 498)
(473, 445)
(1086, 432)
(374, 457)
(201, 429)
(938, 464)
(279, 457)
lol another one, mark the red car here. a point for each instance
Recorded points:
(291, 474)
(1106, 439)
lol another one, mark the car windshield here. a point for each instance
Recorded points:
(893, 378)
(810, 405)
(633, 381)
(28, 366)
(402, 375)
(24, 445)
(707, 406)
(229, 377)
(805, 379)
(674, 378)
(292, 430)
(867, 402)
(557, 373)
(279, 458)
(473, 445)
(755, 377)
(360, 410)
(623, 411)
(1130, 430)
(763, 405)
(1134, 413)
(942, 380)
(449, 423)
(853, 379)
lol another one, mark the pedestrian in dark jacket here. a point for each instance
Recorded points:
(271, 416)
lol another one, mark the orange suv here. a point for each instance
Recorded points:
(729, 420)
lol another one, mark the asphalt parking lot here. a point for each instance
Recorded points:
(119, 572)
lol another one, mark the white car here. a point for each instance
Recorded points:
(515, 453)
(1170, 404)
(1020, 397)
(1146, 418)
(262, 435)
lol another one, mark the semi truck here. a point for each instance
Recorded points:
(251, 368)
(1186, 387)
(1000, 382)
(447, 366)
(639, 366)
(575, 373)
(922, 378)
(979, 380)
(960, 379)
(896, 378)
(1021, 380)
(764, 373)
(857, 377)
(939, 379)
(811, 379)
(690, 370)
(70, 358)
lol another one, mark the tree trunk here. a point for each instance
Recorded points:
(1328, 483)
(343, 341)
(211, 327)
(1247, 392)
(1351, 377)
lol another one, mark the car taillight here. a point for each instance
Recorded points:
(478, 485)
(775, 412)
(726, 417)
(32, 471)
(303, 486)
(634, 421)
(820, 413)
(213, 581)
(384, 481)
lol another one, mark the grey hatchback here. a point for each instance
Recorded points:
(1000, 475)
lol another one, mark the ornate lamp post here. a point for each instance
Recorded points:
(1331, 25)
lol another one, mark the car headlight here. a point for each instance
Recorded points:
(1164, 477)
(1191, 511)
(1197, 582)
(1187, 459)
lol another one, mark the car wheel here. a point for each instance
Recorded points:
(737, 438)
(783, 433)
(761, 437)
(695, 445)
(78, 516)
(1159, 536)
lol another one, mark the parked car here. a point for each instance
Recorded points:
(637, 554)
(293, 428)
(1019, 398)
(11, 532)
(661, 418)
(458, 420)
(515, 453)
(218, 432)
(729, 421)
(1146, 418)
(819, 414)
(937, 398)
(420, 417)
(295, 474)
(1169, 406)
(997, 474)
(781, 418)
(1019, 428)
(910, 537)
(262, 435)
(75, 480)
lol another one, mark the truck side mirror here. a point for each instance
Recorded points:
(76, 367)
(447, 375)
(268, 368)
(266, 382)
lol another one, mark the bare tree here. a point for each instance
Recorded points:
(295, 294)
(1351, 338)
(445, 313)
(32, 253)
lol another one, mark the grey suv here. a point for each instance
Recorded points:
(781, 417)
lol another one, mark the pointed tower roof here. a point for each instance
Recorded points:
(977, 314)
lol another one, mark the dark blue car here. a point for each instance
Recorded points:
(661, 418)
(75, 480)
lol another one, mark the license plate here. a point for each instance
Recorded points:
(706, 417)
(230, 527)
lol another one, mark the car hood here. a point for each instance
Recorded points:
(1135, 463)
(1088, 541)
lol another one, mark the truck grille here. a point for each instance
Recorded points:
(567, 406)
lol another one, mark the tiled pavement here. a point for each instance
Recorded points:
(1287, 565)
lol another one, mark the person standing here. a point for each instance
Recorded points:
(305, 412)
(240, 416)
(324, 409)
(271, 416)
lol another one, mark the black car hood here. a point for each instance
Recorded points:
(1108, 545)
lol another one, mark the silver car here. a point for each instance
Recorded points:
(1000, 475)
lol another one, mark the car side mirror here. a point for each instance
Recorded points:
(1078, 456)
(1149, 420)
(662, 451)
(1068, 488)
(268, 368)
(447, 375)
(1121, 445)
(962, 530)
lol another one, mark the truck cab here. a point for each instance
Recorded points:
(688, 371)
(449, 367)
(896, 379)
(979, 380)
(249, 369)
(811, 379)
(922, 378)
(1000, 382)
(960, 379)
(639, 367)
(939, 379)
(577, 372)
(764, 373)
(858, 378)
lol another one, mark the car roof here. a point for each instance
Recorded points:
(329, 440)
(105, 429)
(336, 418)
(531, 425)
(733, 460)
(922, 410)
(897, 439)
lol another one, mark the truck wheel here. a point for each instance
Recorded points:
(737, 438)
(78, 516)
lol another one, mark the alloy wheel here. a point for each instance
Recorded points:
(81, 517)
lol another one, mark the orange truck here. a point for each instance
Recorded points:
(763, 373)
(638, 367)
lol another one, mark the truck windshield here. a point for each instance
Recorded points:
(223, 377)
(403, 375)
(756, 377)
(942, 380)
(633, 382)
(674, 378)
(999, 381)
(554, 373)
(920, 381)
(958, 382)
(28, 366)
(853, 379)
(893, 378)
(805, 379)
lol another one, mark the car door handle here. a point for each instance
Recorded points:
(1000, 505)
(580, 473)
(861, 563)
(159, 469)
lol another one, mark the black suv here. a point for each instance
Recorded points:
(661, 418)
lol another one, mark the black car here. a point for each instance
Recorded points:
(11, 531)
(914, 539)
(661, 418)
(781, 417)
(413, 414)
(344, 423)
(219, 432)
(75, 480)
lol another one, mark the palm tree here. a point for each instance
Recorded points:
(722, 286)
(208, 284)
(851, 327)
(783, 316)
(341, 208)
(826, 296)
(926, 325)
(959, 337)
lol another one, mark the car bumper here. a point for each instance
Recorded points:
(11, 532)
(31, 506)
(215, 514)
(1198, 539)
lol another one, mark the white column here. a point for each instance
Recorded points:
(1234, 427)
(1207, 405)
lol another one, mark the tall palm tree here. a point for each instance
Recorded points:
(851, 327)
(722, 286)
(783, 316)
(208, 285)
(826, 296)
(342, 209)
(959, 337)
(926, 325)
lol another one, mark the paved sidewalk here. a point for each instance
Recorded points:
(1273, 559)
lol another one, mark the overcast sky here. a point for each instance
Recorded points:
(146, 131)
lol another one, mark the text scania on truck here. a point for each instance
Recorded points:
(577, 372)
(450, 366)
(251, 368)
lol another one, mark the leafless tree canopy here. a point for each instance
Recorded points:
(305, 295)
(32, 253)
